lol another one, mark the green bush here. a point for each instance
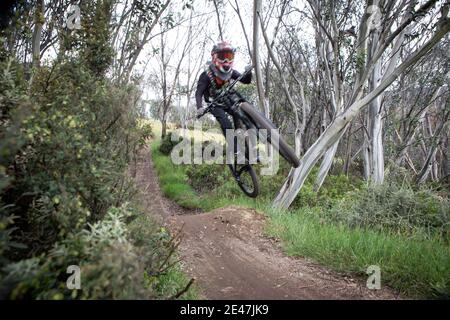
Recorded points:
(394, 208)
(167, 144)
(70, 127)
(66, 142)
(146, 133)
(106, 252)
(103, 253)
(335, 187)
(205, 178)
(75, 150)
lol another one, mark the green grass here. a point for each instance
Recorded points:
(173, 180)
(172, 282)
(175, 186)
(413, 265)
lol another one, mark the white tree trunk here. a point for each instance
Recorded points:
(219, 24)
(425, 172)
(256, 61)
(37, 32)
(377, 173)
(376, 151)
(366, 157)
(407, 141)
(329, 57)
(325, 166)
(374, 162)
(432, 151)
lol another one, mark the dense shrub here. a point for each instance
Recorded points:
(70, 130)
(167, 144)
(394, 207)
(205, 178)
(107, 253)
(66, 142)
(103, 252)
(146, 132)
(75, 151)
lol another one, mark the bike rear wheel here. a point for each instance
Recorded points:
(263, 123)
(244, 173)
(247, 180)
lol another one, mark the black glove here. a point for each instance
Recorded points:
(200, 112)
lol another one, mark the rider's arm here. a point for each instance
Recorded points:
(202, 86)
(246, 79)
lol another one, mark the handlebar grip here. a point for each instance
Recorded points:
(205, 111)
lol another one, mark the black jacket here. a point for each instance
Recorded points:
(204, 86)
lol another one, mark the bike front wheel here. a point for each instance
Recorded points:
(246, 179)
(263, 123)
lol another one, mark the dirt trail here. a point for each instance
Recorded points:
(227, 253)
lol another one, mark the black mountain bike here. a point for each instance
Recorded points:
(246, 117)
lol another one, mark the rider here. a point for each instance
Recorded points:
(219, 72)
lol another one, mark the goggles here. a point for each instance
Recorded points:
(225, 56)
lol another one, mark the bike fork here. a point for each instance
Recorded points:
(234, 172)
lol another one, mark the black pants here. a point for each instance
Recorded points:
(222, 117)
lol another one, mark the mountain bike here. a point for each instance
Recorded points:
(246, 117)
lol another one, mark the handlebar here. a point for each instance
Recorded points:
(213, 103)
(210, 106)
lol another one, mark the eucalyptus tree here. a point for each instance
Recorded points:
(381, 33)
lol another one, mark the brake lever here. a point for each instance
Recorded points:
(209, 108)
(200, 115)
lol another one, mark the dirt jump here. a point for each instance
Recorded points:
(228, 255)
